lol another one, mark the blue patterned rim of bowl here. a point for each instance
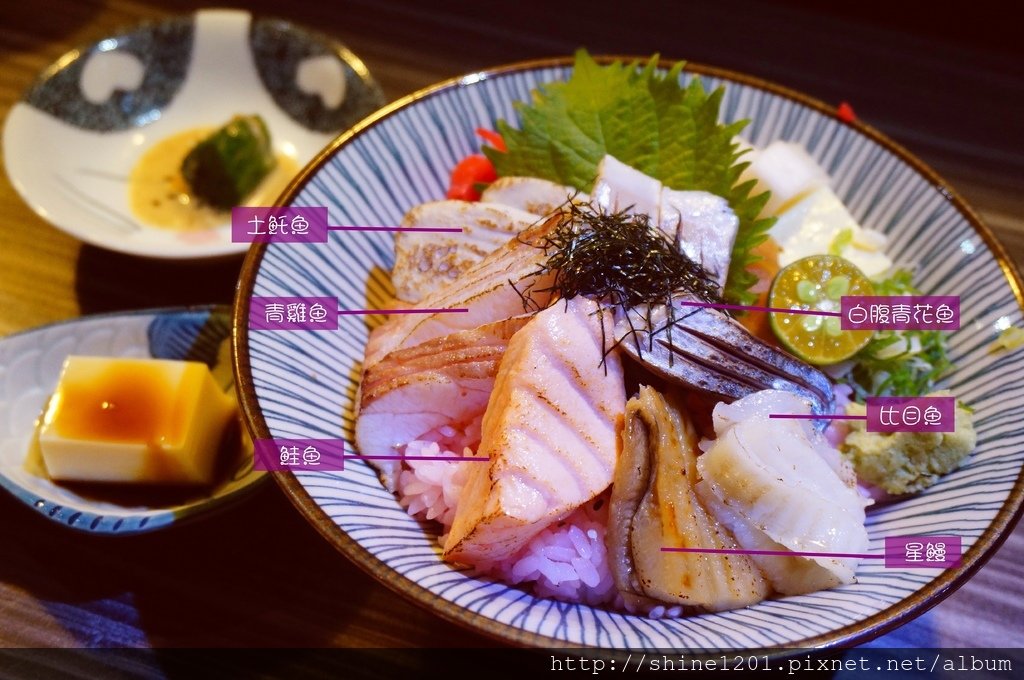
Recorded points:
(30, 364)
(301, 384)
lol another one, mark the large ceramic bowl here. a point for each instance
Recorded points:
(303, 384)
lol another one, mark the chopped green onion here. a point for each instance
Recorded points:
(842, 240)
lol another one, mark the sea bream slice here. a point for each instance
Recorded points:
(534, 195)
(441, 382)
(491, 290)
(424, 262)
(702, 224)
(551, 431)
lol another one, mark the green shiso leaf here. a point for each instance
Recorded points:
(642, 116)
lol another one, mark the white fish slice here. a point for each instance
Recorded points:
(425, 262)
(787, 575)
(771, 474)
(703, 225)
(531, 194)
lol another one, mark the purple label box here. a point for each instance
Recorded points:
(900, 312)
(293, 314)
(922, 552)
(311, 455)
(279, 225)
(911, 414)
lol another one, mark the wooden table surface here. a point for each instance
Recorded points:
(954, 103)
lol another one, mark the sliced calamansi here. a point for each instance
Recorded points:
(817, 284)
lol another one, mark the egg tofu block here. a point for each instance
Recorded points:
(147, 421)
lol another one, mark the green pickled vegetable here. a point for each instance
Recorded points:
(225, 167)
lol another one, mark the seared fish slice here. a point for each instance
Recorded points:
(490, 290)
(551, 431)
(444, 381)
(654, 504)
(424, 262)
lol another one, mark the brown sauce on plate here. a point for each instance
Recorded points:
(234, 446)
(121, 404)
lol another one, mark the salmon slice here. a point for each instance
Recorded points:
(486, 290)
(425, 262)
(551, 431)
(444, 381)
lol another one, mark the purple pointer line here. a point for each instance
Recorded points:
(445, 230)
(346, 312)
(811, 416)
(444, 458)
(687, 303)
(779, 553)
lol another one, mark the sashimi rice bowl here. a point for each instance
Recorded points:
(568, 406)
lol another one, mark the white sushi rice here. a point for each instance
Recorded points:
(566, 561)
(429, 489)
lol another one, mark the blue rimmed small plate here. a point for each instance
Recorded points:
(30, 364)
(71, 143)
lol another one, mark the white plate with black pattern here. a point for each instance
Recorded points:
(70, 144)
(303, 384)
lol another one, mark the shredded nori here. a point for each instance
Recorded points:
(620, 260)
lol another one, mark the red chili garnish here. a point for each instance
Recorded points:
(472, 170)
(493, 138)
(845, 113)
